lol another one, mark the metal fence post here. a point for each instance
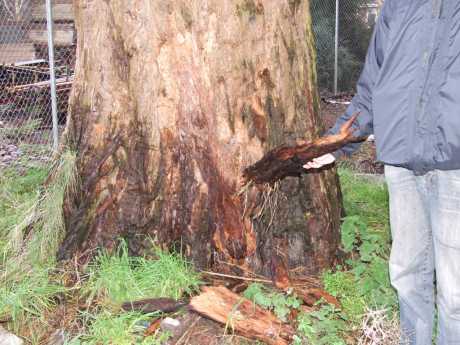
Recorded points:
(49, 27)
(336, 48)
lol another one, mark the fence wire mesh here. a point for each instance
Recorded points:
(25, 97)
(356, 19)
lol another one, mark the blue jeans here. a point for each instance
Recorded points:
(425, 255)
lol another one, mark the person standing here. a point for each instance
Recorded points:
(409, 98)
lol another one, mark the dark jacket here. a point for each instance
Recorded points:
(409, 90)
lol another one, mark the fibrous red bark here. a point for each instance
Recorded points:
(172, 100)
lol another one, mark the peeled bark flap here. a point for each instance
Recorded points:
(172, 99)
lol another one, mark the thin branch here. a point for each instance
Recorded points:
(257, 280)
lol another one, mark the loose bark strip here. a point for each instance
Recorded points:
(153, 327)
(164, 305)
(240, 314)
(285, 161)
(236, 277)
(313, 295)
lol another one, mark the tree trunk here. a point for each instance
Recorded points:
(172, 100)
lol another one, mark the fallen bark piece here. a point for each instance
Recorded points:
(285, 161)
(153, 327)
(313, 295)
(164, 305)
(241, 315)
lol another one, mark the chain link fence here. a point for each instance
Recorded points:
(26, 111)
(354, 22)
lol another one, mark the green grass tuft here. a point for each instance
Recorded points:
(18, 193)
(114, 279)
(122, 329)
(29, 297)
(43, 221)
(365, 199)
(31, 226)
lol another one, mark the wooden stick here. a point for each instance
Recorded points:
(64, 81)
(257, 280)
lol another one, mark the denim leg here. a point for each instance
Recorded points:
(445, 219)
(411, 260)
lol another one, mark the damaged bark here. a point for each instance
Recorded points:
(172, 99)
(285, 161)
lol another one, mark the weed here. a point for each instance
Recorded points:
(370, 266)
(281, 304)
(342, 285)
(363, 283)
(322, 327)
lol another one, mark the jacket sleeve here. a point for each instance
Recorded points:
(362, 101)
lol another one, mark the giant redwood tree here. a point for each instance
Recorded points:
(172, 100)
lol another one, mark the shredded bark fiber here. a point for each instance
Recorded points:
(285, 161)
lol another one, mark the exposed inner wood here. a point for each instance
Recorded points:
(241, 315)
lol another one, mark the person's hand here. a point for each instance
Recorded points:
(319, 162)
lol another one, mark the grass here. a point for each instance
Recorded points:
(367, 200)
(120, 329)
(40, 228)
(117, 278)
(361, 283)
(24, 130)
(114, 279)
(30, 297)
(18, 193)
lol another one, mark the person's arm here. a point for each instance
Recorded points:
(362, 101)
